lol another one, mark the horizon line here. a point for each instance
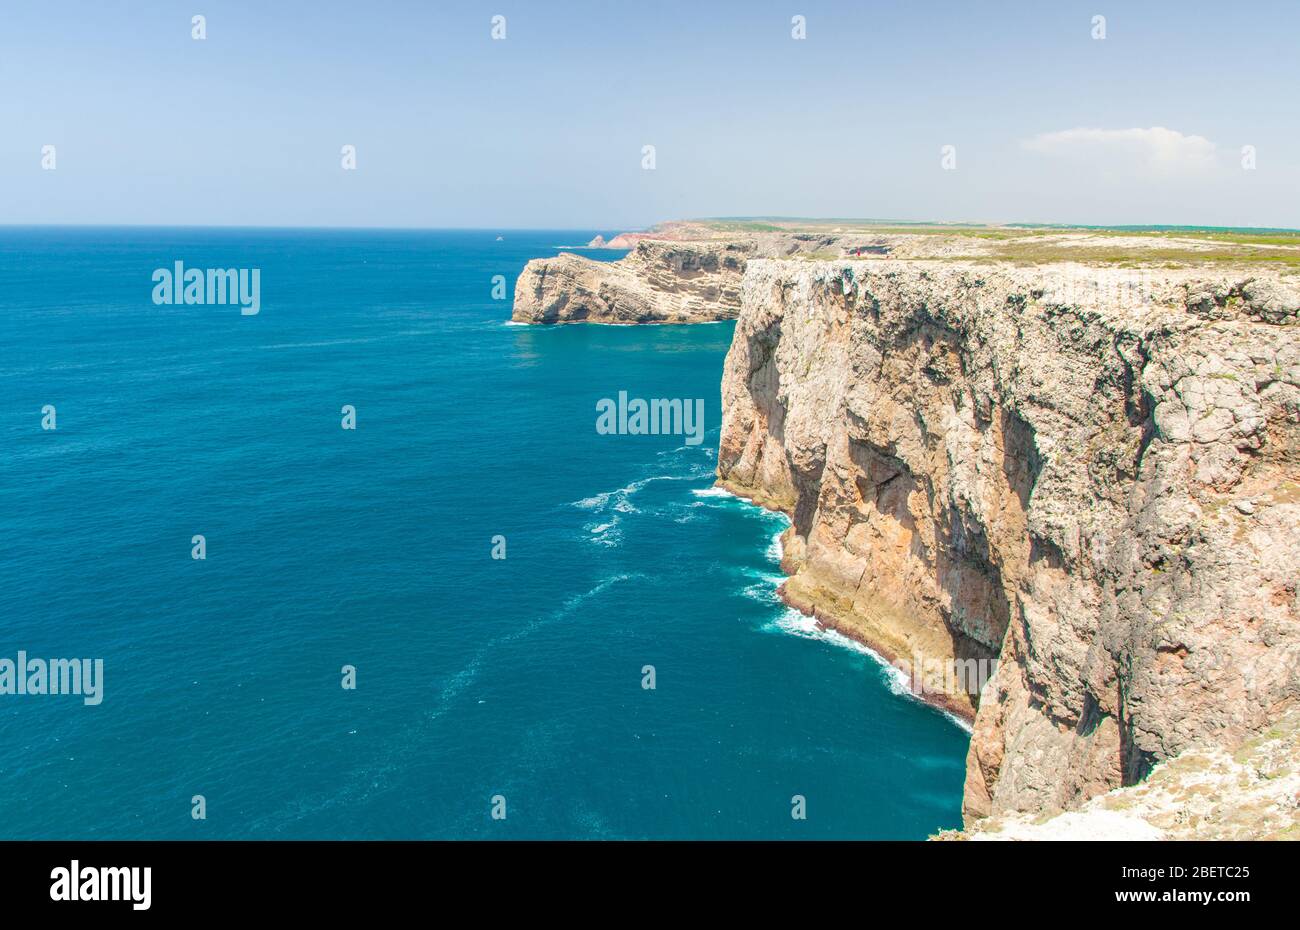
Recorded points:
(706, 219)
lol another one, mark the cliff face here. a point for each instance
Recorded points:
(1206, 793)
(657, 282)
(1097, 483)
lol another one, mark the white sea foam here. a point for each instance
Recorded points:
(775, 551)
(797, 624)
(703, 451)
(689, 513)
(897, 680)
(764, 588)
(605, 533)
(595, 502)
(621, 497)
(962, 724)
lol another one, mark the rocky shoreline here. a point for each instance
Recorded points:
(1088, 471)
(977, 466)
(892, 648)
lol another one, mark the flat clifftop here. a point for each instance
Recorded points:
(1090, 474)
(1017, 244)
(689, 272)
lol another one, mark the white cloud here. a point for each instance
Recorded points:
(1159, 150)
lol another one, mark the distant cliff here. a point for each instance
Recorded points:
(657, 282)
(679, 272)
(1099, 486)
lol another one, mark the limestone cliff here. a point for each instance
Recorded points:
(657, 282)
(1090, 473)
(1205, 793)
(679, 272)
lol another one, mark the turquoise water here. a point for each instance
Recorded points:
(476, 677)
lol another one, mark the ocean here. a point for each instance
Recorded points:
(493, 697)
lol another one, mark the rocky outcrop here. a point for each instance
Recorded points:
(657, 282)
(1091, 474)
(1206, 793)
(676, 273)
(629, 240)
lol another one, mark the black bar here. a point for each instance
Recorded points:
(208, 879)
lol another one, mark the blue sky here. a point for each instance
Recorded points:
(546, 128)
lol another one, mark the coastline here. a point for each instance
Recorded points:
(915, 421)
(962, 713)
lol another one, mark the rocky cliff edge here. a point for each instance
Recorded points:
(657, 282)
(1090, 476)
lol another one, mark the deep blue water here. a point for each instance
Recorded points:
(476, 677)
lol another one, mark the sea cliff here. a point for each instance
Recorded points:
(1070, 456)
(1096, 485)
(657, 282)
(675, 273)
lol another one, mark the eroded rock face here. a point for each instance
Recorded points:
(1205, 793)
(657, 282)
(1097, 482)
